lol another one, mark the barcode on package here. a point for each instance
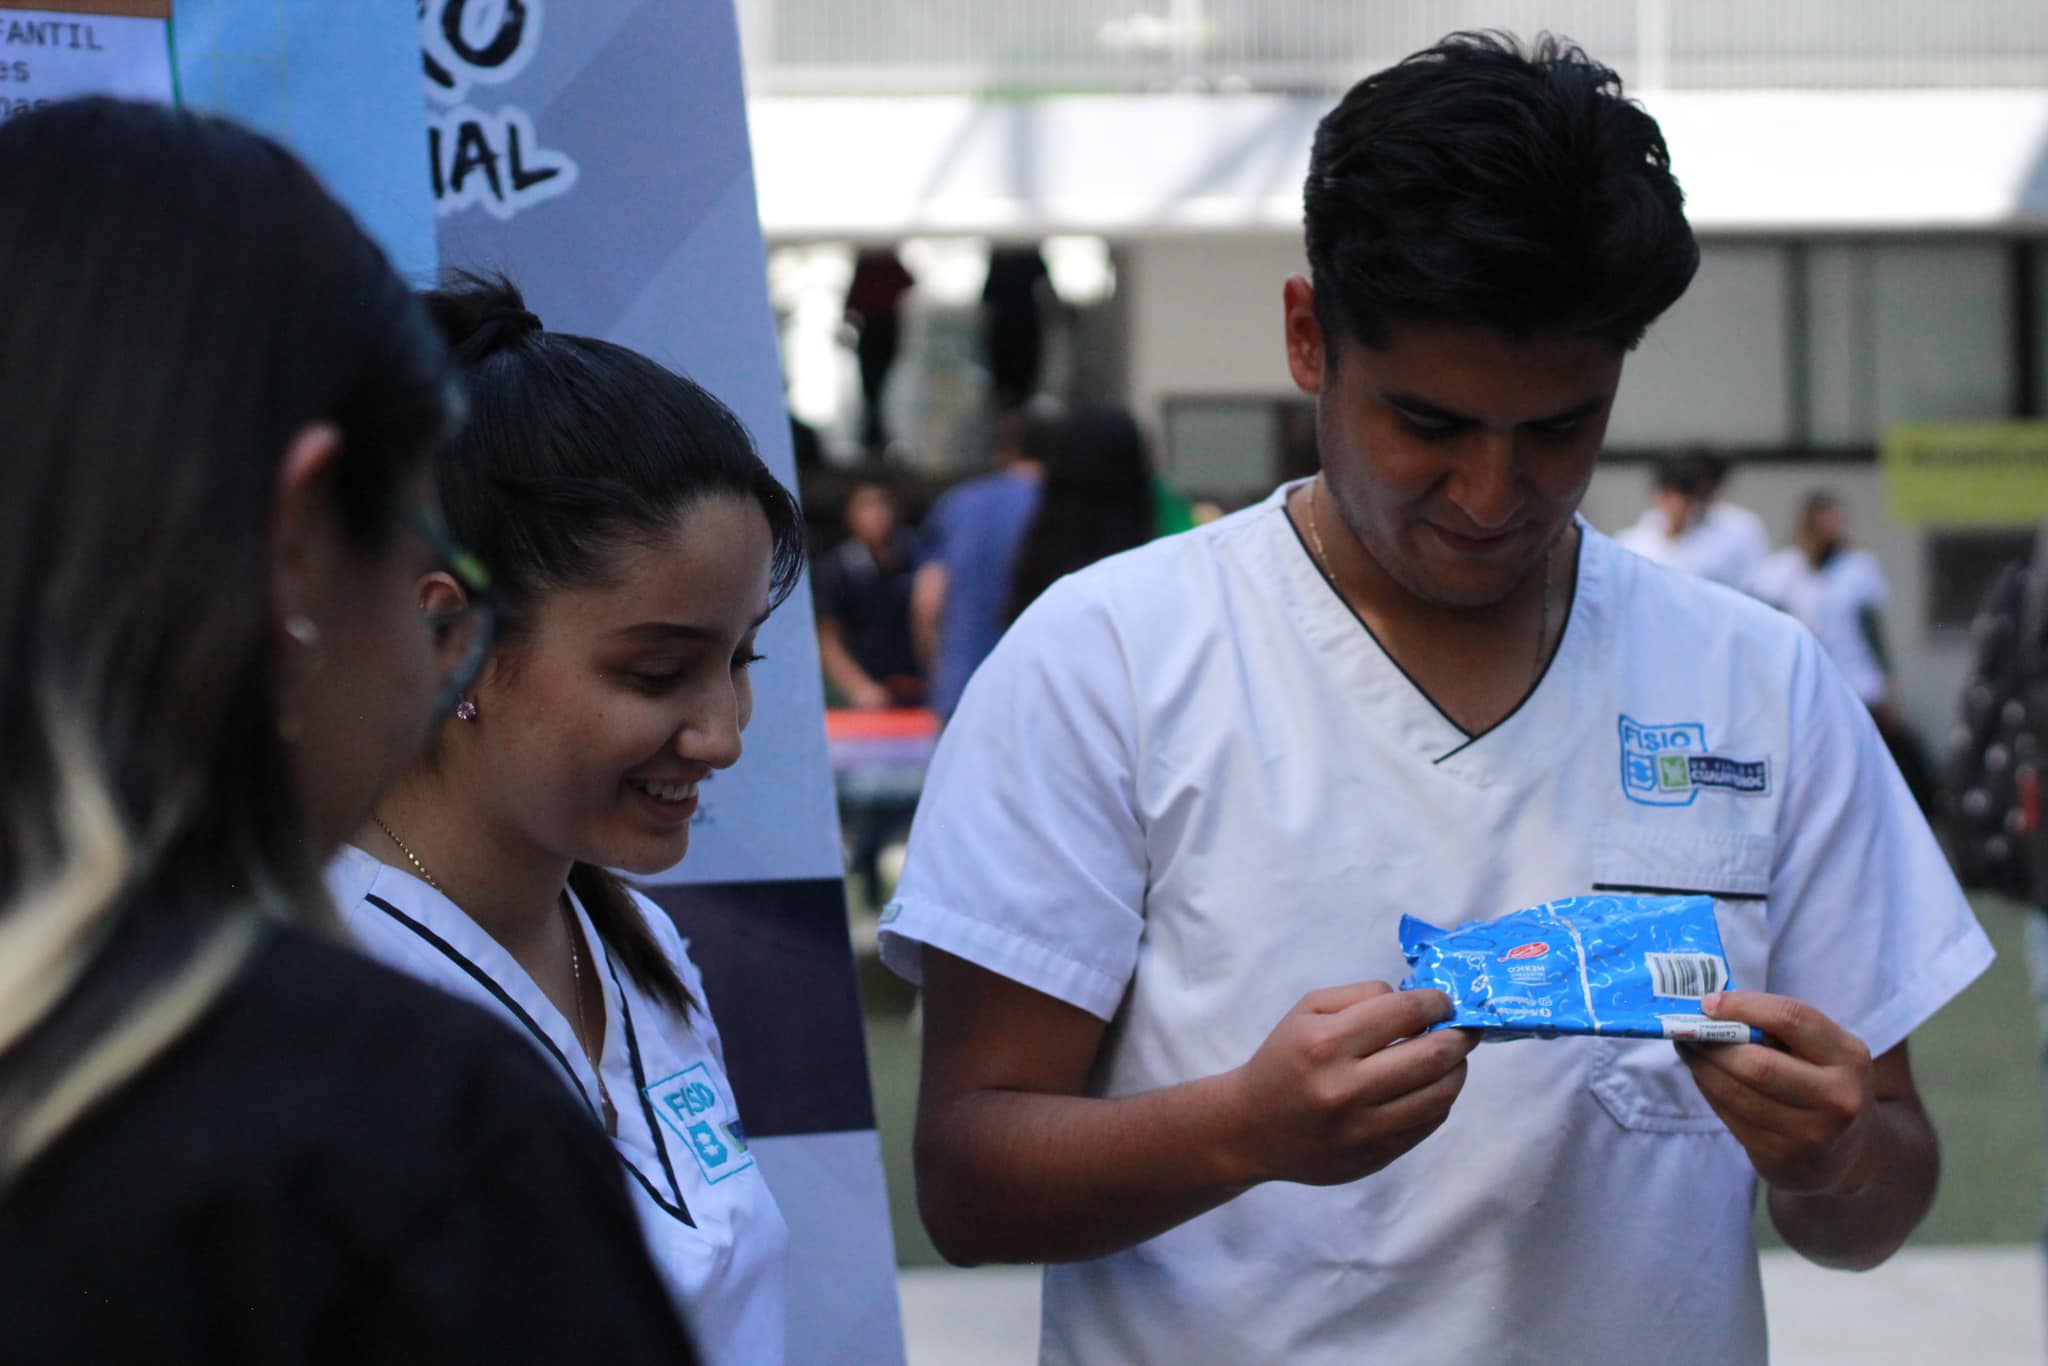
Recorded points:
(1686, 976)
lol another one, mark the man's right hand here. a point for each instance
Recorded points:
(1017, 1162)
(1347, 1082)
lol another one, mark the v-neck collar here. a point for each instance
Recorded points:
(423, 911)
(433, 910)
(1541, 724)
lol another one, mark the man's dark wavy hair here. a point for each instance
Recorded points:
(1477, 182)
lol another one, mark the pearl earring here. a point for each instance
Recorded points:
(301, 628)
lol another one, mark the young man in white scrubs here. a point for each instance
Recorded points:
(1153, 890)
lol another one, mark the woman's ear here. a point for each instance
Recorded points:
(440, 595)
(302, 526)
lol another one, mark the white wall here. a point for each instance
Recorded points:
(1713, 370)
(1205, 319)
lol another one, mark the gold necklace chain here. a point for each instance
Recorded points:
(1315, 539)
(410, 856)
(582, 1025)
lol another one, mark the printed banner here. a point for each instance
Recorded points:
(1989, 474)
(283, 67)
(54, 49)
(597, 153)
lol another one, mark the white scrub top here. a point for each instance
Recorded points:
(1832, 601)
(1736, 544)
(1189, 788)
(712, 1226)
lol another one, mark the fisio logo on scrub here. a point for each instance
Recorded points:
(1670, 765)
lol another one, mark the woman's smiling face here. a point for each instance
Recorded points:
(596, 725)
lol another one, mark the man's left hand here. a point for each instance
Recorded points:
(1805, 1110)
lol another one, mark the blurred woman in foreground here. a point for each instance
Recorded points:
(220, 1138)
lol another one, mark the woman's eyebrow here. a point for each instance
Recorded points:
(666, 630)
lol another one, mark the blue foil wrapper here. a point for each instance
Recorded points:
(1632, 967)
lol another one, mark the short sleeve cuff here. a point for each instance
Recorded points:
(909, 926)
(1957, 965)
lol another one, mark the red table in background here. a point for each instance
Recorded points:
(879, 756)
(878, 761)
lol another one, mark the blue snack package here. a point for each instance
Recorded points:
(1632, 967)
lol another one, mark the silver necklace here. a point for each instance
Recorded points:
(582, 1026)
(1315, 539)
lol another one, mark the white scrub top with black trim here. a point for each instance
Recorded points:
(711, 1223)
(1199, 813)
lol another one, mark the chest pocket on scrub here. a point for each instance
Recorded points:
(1641, 1082)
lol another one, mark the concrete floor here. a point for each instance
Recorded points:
(1979, 1305)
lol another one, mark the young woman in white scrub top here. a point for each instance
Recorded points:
(636, 543)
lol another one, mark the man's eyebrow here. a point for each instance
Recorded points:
(1572, 414)
(1416, 406)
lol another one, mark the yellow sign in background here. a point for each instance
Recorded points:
(1991, 474)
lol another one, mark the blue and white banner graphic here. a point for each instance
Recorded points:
(597, 152)
(336, 83)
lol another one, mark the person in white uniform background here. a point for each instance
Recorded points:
(1838, 592)
(1153, 888)
(636, 543)
(1688, 527)
(1737, 537)
(1661, 535)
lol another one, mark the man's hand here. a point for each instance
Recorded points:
(1016, 1162)
(1806, 1111)
(1347, 1082)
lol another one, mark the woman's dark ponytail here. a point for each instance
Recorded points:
(622, 930)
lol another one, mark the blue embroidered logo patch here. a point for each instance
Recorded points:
(697, 1109)
(1670, 766)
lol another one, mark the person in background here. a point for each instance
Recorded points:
(874, 311)
(863, 594)
(225, 1137)
(1686, 528)
(637, 546)
(1015, 299)
(1097, 497)
(1991, 784)
(1736, 540)
(971, 540)
(1838, 592)
(805, 446)
(1662, 534)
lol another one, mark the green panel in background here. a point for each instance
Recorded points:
(1968, 474)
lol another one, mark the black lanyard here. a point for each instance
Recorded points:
(654, 1129)
(676, 1209)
